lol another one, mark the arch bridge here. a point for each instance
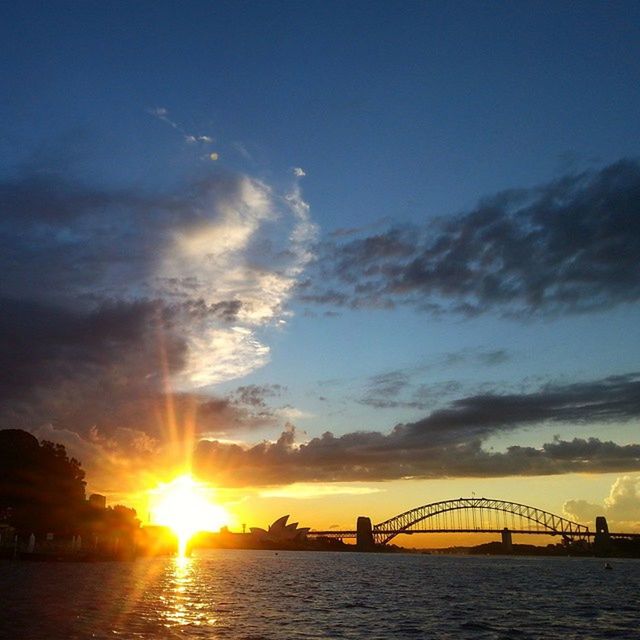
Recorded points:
(464, 515)
(477, 515)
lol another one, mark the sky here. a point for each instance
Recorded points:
(344, 258)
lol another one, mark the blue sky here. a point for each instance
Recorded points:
(296, 272)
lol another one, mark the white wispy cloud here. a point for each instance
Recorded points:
(250, 246)
(162, 113)
(191, 139)
(218, 354)
(242, 150)
(293, 413)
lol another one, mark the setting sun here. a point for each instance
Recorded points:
(186, 506)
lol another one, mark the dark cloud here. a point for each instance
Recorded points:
(90, 332)
(226, 310)
(473, 357)
(229, 414)
(616, 398)
(106, 369)
(79, 370)
(254, 395)
(446, 443)
(565, 247)
(68, 242)
(48, 198)
(386, 386)
(60, 239)
(491, 358)
(402, 388)
(364, 457)
(245, 407)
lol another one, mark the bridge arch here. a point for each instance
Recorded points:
(477, 512)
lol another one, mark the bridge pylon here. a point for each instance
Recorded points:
(507, 542)
(602, 539)
(364, 534)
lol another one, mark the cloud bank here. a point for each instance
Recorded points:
(447, 442)
(569, 246)
(621, 507)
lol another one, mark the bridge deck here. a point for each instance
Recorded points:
(352, 534)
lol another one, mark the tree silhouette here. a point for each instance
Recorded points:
(41, 488)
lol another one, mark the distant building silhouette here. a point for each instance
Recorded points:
(97, 501)
(280, 532)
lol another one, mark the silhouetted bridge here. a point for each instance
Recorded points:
(473, 515)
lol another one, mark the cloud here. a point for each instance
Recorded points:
(621, 507)
(109, 369)
(122, 464)
(288, 412)
(371, 456)
(403, 387)
(582, 510)
(163, 114)
(254, 395)
(616, 398)
(388, 385)
(492, 358)
(242, 150)
(623, 503)
(568, 246)
(422, 397)
(194, 139)
(446, 443)
(69, 366)
(112, 296)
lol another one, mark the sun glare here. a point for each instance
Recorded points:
(186, 507)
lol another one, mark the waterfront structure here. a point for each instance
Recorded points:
(280, 533)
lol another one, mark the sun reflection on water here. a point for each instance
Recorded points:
(178, 613)
(185, 602)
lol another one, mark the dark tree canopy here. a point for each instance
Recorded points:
(41, 488)
(119, 521)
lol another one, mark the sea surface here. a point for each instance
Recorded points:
(254, 595)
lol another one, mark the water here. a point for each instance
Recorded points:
(255, 595)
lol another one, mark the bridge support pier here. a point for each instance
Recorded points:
(507, 543)
(364, 534)
(602, 539)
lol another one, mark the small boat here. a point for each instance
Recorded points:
(607, 566)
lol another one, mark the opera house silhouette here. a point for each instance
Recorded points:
(280, 532)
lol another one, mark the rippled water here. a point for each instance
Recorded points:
(264, 594)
